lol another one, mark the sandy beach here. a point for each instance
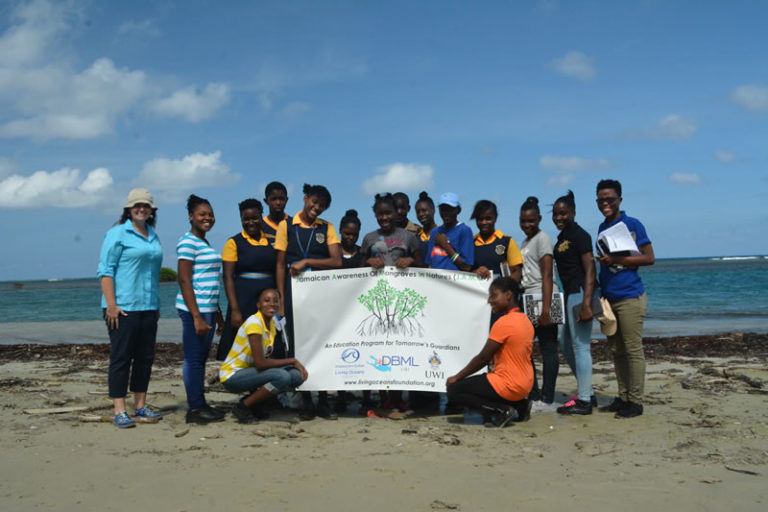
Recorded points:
(702, 444)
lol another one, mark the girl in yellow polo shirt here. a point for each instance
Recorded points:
(304, 243)
(249, 366)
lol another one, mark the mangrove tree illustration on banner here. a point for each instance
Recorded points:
(392, 311)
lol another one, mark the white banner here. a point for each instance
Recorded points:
(389, 329)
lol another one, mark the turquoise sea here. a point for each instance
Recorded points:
(685, 297)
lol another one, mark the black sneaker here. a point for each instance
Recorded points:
(524, 411)
(307, 413)
(506, 417)
(243, 413)
(630, 410)
(325, 412)
(593, 400)
(575, 407)
(615, 406)
(206, 414)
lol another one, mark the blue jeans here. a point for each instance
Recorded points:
(575, 340)
(276, 380)
(196, 350)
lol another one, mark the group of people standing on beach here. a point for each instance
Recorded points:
(257, 344)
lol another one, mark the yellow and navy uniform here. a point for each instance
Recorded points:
(300, 241)
(499, 247)
(423, 238)
(254, 271)
(240, 355)
(269, 228)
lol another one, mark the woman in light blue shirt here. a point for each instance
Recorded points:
(129, 271)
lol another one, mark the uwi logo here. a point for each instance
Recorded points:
(434, 365)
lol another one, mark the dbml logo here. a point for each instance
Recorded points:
(350, 355)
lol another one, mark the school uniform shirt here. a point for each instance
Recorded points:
(240, 355)
(423, 238)
(390, 248)
(460, 237)
(300, 241)
(269, 228)
(206, 273)
(572, 242)
(253, 258)
(512, 374)
(133, 262)
(499, 247)
(618, 282)
(412, 228)
(533, 249)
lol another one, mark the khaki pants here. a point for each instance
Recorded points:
(627, 347)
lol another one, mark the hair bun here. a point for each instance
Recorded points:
(351, 213)
(532, 199)
(423, 195)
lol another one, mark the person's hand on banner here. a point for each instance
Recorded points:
(451, 381)
(483, 272)
(376, 263)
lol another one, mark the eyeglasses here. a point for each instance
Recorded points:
(609, 200)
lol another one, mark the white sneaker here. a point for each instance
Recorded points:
(539, 406)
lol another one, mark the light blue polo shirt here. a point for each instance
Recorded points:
(134, 263)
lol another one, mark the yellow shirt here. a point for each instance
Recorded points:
(514, 256)
(281, 239)
(240, 355)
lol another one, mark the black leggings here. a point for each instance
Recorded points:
(477, 393)
(550, 364)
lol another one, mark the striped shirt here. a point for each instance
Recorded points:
(240, 355)
(206, 271)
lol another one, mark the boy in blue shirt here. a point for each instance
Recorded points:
(451, 246)
(621, 285)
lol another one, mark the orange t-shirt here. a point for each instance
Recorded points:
(512, 374)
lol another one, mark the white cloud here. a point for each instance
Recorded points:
(399, 177)
(192, 172)
(751, 97)
(561, 179)
(724, 157)
(44, 95)
(685, 178)
(575, 65)
(193, 105)
(62, 189)
(572, 163)
(7, 167)
(295, 109)
(676, 127)
(138, 29)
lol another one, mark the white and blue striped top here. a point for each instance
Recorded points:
(206, 272)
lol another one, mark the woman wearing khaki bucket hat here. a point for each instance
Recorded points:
(129, 271)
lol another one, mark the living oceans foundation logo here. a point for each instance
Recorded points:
(391, 311)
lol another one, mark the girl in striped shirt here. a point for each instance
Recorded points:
(199, 267)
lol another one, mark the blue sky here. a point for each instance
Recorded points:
(492, 100)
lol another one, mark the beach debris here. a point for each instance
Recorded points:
(95, 418)
(409, 431)
(182, 433)
(56, 410)
(743, 471)
(710, 481)
(441, 505)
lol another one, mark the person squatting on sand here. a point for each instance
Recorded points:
(501, 393)
(622, 286)
(199, 267)
(576, 266)
(129, 273)
(250, 366)
(305, 243)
